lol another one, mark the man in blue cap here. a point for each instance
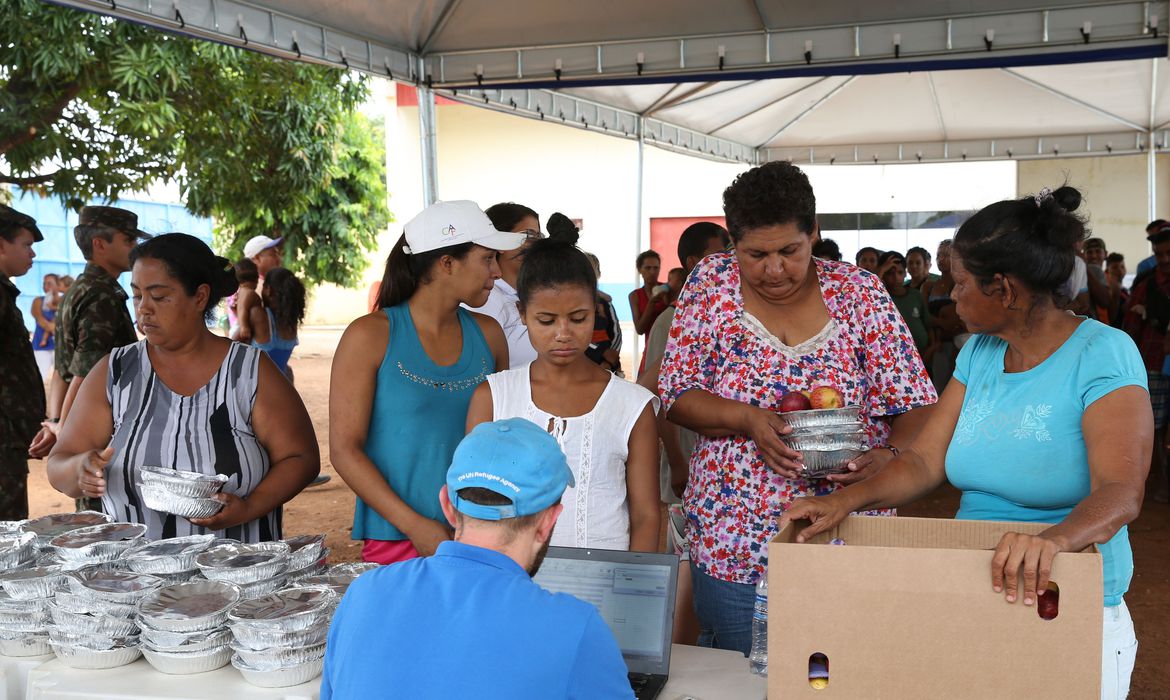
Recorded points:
(469, 621)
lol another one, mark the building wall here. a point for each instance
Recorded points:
(1115, 196)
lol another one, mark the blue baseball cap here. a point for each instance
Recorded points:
(511, 457)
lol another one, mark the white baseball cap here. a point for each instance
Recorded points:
(446, 224)
(259, 244)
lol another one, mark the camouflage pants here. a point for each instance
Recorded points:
(13, 483)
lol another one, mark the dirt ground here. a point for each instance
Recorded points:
(329, 509)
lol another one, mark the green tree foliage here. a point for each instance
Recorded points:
(92, 107)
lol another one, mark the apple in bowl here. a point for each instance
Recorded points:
(824, 396)
(794, 401)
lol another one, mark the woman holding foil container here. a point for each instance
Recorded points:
(752, 327)
(187, 399)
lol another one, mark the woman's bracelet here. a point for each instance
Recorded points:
(893, 450)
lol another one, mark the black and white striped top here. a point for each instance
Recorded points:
(208, 432)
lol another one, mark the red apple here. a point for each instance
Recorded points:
(826, 397)
(794, 401)
(1048, 604)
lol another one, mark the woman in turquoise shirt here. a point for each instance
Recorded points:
(403, 377)
(1047, 418)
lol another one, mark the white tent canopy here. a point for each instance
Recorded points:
(834, 81)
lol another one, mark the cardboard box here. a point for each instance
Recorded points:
(904, 609)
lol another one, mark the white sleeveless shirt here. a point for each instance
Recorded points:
(596, 513)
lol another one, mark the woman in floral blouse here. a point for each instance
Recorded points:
(752, 326)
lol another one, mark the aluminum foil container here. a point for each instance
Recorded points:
(125, 587)
(171, 556)
(98, 642)
(103, 542)
(278, 658)
(290, 610)
(182, 483)
(828, 429)
(32, 583)
(184, 641)
(339, 576)
(183, 663)
(159, 498)
(250, 637)
(11, 525)
(819, 464)
(822, 416)
(49, 526)
(189, 607)
(282, 678)
(28, 605)
(80, 623)
(17, 549)
(857, 440)
(30, 621)
(304, 550)
(25, 645)
(85, 604)
(80, 657)
(249, 591)
(315, 569)
(244, 563)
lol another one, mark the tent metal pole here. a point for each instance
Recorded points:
(1151, 150)
(427, 143)
(638, 230)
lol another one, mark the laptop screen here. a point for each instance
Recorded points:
(634, 591)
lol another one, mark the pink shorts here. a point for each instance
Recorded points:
(388, 551)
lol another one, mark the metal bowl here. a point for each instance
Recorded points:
(17, 549)
(125, 587)
(58, 635)
(160, 499)
(104, 542)
(181, 663)
(28, 620)
(80, 657)
(277, 657)
(244, 563)
(857, 440)
(289, 610)
(304, 550)
(189, 607)
(821, 463)
(249, 591)
(11, 525)
(251, 637)
(282, 678)
(183, 483)
(25, 645)
(49, 526)
(339, 576)
(822, 416)
(170, 556)
(94, 624)
(87, 604)
(32, 583)
(162, 640)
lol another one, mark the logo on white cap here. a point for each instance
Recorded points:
(449, 231)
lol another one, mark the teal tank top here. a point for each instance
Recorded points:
(418, 417)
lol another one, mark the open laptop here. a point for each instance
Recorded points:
(634, 591)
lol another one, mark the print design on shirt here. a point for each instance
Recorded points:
(970, 419)
(1033, 425)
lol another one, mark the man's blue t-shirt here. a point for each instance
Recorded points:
(1018, 453)
(467, 622)
(1147, 264)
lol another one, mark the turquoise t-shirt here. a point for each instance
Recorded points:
(1018, 453)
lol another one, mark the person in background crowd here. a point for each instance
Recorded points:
(63, 284)
(501, 303)
(1147, 320)
(469, 622)
(57, 386)
(918, 265)
(1115, 273)
(186, 398)
(827, 249)
(1073, 295)
(1100, 298)
(950, 333)
(92, 319)
(1047, 419)
(649, 300)
(276, 321)
(910, 303)
(1147, 265)
(606, 347)
(22, 392)
(403, 376)
(697, 242)
(266, 254)
(44, 311)
(675, 279)
(604, 424)
(867, 259)
(752, 326)
(248, 276)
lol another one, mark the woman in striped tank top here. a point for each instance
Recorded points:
(404, 374)
(189, 399)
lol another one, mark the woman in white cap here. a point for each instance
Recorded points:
(403, 377)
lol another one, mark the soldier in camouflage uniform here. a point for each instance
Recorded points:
(92, 319)
(22, 394)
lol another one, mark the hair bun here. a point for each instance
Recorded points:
(226, 282)
(1069, 198)
(562, 229)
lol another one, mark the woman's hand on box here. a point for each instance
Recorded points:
(1031, 554)
(825, 512)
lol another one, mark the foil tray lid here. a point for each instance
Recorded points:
(106, 532)
(55, 524)
(290, 602)
(164, 474)
(107, 580)
(173, 547)
(189, 601)
(241, 556)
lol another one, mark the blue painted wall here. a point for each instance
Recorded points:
(59, 254)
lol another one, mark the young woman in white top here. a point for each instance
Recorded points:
(604, 424)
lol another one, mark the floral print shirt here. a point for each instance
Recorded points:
(734, 501)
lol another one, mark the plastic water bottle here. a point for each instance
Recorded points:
(758, 661)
